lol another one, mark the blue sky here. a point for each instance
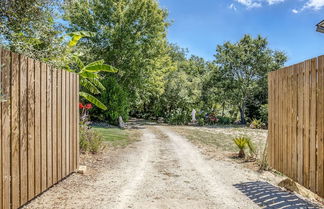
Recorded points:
(289, 25)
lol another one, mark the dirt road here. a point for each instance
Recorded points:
(162, 170)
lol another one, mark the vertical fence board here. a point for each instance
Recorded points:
(59, 124)
(44, 125)
(312, 140)
(320, 131)
(49, 127)
(64, 170)
(294, 156)
(54, 124)
(300, 121)
(6, 128)
(31, 128)
(67, 124)
(73, 123)
(296, 122)
(15, 145)
(78, 119)
(38, 142)
(23, 112)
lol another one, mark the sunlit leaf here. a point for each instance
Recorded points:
(93, 100)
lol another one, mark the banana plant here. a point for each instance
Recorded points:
(88, 74)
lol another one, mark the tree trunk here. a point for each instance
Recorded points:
(242, 114)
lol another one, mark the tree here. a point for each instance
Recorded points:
(243, 68)
(30, 27)
(130, 35)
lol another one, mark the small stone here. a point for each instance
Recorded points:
(82, 169)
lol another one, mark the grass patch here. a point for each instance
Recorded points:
(222, 137)
(114, 136)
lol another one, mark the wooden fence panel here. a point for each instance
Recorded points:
(6, 128)
(296, 123)
(38, 127)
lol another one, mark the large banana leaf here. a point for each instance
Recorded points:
(76, 36)
(75, 39)
(100, 68)
(97, 83)
(89, 86)
(93, 100)
(99, 62)
(85, 74)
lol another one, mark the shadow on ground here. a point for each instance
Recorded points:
(270, 197)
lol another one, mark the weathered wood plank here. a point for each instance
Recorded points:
(54, 124)
(67, 124)
(300, 121)
(320, 130)
(15, 145)
(6, 127)
(23, 137)
(64, 95)
(312, 124)
(38, 132)
(59, 124)
(294, 123)
(78, 120)
(43, 126)
(31, 128)
(306, 122)
(49, 127)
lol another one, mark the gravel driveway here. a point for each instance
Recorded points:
(162, 170)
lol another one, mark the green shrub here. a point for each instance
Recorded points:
(178, 117)
(116, 99)
(224, 120)
(242, 143)
(90, 140)
(201, 121)
(264, 114)
(256, 124)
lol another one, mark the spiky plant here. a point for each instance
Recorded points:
(242, 143)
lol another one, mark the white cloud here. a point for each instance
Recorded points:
(314, 4)
(295, 11)
(258, 3)
(233, 7)
(250, 3)
(270, 2)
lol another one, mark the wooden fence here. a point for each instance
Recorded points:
(38, 127)
(296, 123)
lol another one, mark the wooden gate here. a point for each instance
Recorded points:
(296, 123)
(38, 127)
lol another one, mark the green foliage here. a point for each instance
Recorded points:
(264, 114)
(201, 121)
(256, 124)
(90, 140)
(243, 68)
(178, 117)
(242, 143)
(224, 120)
(131, 36)
(29, 27)
(116, 99)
